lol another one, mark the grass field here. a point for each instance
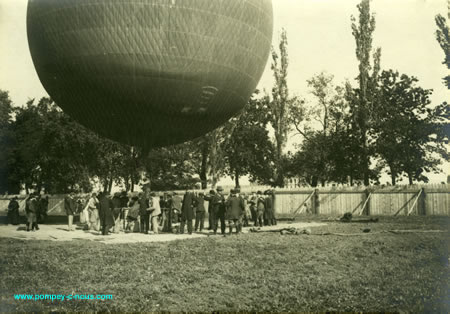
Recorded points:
(249, 272)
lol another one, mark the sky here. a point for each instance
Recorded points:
(319, 39)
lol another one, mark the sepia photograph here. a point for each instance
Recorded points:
(225, 156)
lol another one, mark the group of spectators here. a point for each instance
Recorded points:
(36, 207)
(151, 211)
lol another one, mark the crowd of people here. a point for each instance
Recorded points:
(36, 207)
(154, 212)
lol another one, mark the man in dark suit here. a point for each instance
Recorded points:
(199, 211)
(209, 198)
(218, 211)
(106, 213)
(144, 213)
(268, 211)
(187, 212)
(235, 208)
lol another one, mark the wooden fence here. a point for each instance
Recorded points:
(333, 201)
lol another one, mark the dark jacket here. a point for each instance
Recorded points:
(13, 205)
(143, 205)
(200, 204)
(218, 203)
(70, 205)
(105, 212)
(187, 211)
(261, 204)
(235, 207)
(268, 212)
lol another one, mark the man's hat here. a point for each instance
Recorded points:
(259, 192)
(232, 191)
(219, 189)
(237, 190)
(212, 192)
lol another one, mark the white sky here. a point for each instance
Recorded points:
(319, 39)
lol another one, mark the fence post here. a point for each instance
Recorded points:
(367, 196)
(315, 202)
(423, 203)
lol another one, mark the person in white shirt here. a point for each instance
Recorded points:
(155, 212)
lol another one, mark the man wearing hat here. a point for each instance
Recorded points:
(234, 211)
(209, 198)
(144, 214)
(218, 203)
(31, 210)
(260, 207)
(106, 213)
(268, 210)
(199, 211)
(187, 212)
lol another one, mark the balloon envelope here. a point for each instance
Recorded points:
(150, 72)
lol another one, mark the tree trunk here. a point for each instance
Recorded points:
(393, 177)
(314, 181)
(236, 179)
(365, 158)
(410, 178)
(204, 166)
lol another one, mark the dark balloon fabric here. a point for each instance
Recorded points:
(150, 72)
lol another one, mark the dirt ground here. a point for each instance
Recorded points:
(59, 232)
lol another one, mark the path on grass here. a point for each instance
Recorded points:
(61, 233)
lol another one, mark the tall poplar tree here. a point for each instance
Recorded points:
(279, 105)
(363, 106)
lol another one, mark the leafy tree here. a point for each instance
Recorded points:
(443, 38)
(7, 144)
(49, 149)
(173, 167)
(327, 141)
(365, 95)
(249, 149)
(408, 131)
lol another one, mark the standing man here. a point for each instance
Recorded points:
(166, 208)
(187, 212)
(234, 210)
(13, 211)
(209, 198)
(218, 202)
(31, 210)
(268, 212)
(200, 211)
(155, 211)
(260, 207)
(71, 208)
(106, 213)
(144, 213)
(253, 202)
